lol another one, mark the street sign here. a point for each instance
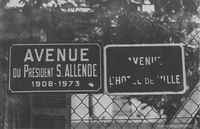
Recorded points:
(55, 68)
(144, 69)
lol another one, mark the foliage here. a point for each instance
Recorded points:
(110, 21)
(171, 23)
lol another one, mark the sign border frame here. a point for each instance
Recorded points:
(56, 91)
(145, 93)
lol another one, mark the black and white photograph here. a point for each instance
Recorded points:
(99, 64)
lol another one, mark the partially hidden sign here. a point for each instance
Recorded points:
(69, 68)
(144, 69)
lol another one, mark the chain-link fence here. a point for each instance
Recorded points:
(103, 111)
(96, 111)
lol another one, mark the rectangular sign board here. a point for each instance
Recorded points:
(55, 68)
(144, 69)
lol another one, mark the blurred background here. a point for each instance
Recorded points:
(105, 22)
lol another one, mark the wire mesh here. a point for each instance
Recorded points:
(95, 111)
(104, 111)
